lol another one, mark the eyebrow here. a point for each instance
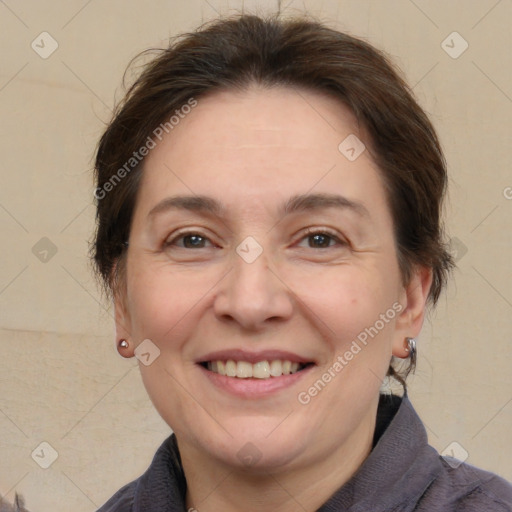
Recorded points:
(308, 202)
(191, 203)
(298, 203)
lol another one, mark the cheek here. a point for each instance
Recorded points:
(165, 308)
(346, 303)
(161, 302)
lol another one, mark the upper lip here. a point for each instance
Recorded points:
(253, 357)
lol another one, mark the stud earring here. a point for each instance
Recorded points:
(123, 344)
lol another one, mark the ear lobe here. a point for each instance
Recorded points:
(414, 300)
(123, 324)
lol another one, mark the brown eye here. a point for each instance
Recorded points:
(189, 241)
(193, 241)
(320, 240)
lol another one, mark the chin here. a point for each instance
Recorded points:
(259, 446)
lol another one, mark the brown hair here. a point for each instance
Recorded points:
(234, 53)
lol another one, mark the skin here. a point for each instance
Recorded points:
(252, 151)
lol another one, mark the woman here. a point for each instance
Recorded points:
(268, 209)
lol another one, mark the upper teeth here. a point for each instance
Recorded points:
(259, 370)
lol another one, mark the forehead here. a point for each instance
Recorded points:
(261, 116)
(262, 143)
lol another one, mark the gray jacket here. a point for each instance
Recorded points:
(401, 474)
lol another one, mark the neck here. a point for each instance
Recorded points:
(213, 486)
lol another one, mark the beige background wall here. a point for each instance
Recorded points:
(62, 381)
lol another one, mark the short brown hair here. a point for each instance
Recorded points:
(236, 52)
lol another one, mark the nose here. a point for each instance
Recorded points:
(253, 295)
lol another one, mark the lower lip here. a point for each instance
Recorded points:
(252, 387)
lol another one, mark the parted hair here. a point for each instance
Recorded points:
(237, 52)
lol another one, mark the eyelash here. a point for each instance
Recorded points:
(309, 232)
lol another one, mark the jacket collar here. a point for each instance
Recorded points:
(398, 470)
(162, 487)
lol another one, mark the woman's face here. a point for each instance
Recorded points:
(257, 239)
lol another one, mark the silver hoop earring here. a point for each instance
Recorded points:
(123, 344)
(411, 349)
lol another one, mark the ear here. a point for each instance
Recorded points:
(413, 299)
(123, 324)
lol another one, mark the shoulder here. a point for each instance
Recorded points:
(162, 485)
(461, 487)
(122, 501)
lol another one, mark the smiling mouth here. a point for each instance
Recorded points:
(259, 370)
